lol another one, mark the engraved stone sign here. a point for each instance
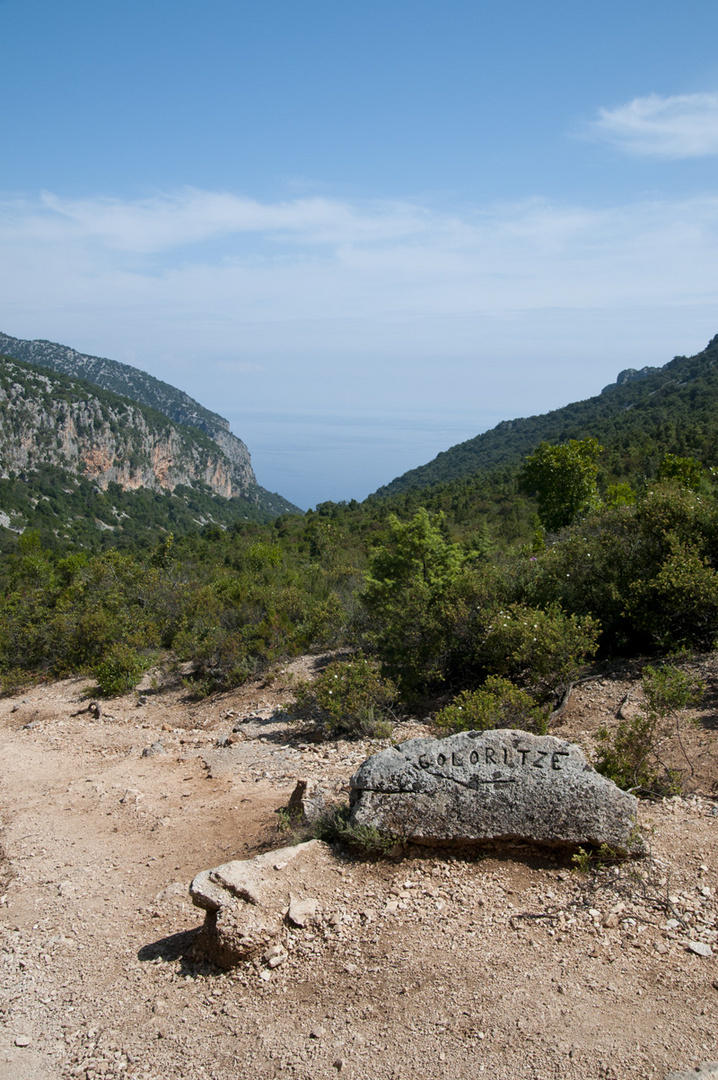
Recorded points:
(502, 785)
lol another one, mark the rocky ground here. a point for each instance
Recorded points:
(436, 965)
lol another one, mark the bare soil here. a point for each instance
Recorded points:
(437, 965)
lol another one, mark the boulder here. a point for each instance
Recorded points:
(501, 786)
(247, 902)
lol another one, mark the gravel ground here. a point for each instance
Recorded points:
(514, 965)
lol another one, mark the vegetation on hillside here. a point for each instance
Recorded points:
(672, 409)
(62, 427)
(488, 595)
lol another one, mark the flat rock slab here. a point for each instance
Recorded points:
(246, 902)
(492, 786)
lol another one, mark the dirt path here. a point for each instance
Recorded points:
(433, 967)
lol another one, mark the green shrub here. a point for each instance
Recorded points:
(120, 670)
(541, 649)
(409, 577)
(684, 471)
(678, 606)
(367, 840)
(349, 697)
(563, 479)
(497, 704)
(631, 755)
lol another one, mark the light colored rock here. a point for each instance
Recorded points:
(311, 799)
(302, 910)
(250, 880)
(708, 1070)
(494, 786)
(274, 956)
(700, 948)
(246, 901)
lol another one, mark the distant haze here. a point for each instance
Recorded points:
(363, 234)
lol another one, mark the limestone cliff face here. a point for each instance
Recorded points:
(130, 382)
(50, 419)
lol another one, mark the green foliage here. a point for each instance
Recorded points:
(678, 605)
(496, 704)
(543, 649)
(620, 495)
(366, 840)
(685, 471)
(668, 690)
(120, 670)
(585, 860)
(564, 480)
(631, 755)
(645, 571)
(348, 698)
(408, 582)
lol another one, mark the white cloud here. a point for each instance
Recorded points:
(191, 216)
(257, 287)
(326, 305)
(682, 126)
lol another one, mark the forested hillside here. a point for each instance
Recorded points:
(494, 590)
(670, 409)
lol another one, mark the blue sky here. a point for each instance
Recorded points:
(362, 232)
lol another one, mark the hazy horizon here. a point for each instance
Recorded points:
(363, 235)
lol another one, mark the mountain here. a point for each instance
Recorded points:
(71, 453)
(130, 382)
(646, 412)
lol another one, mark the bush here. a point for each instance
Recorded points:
(541, 649)
(497, 704)
(679, 605)
(120, 670)
(563, 478)
(349, 697)
(409, 577)
(630, 756)
(365, 840)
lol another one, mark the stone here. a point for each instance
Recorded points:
(700, 948)
(246, 901)
(156, 748)
(22, 1040)
(708, 1070)
(302, 911)
(311, 799)
(501, 786)
(274, 956)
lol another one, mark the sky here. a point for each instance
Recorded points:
(363, 232)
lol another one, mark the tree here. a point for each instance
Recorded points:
(685, 471)
(407, 586)
(563, 480)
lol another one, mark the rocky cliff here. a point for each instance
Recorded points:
(235, 476)
(50, 419)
